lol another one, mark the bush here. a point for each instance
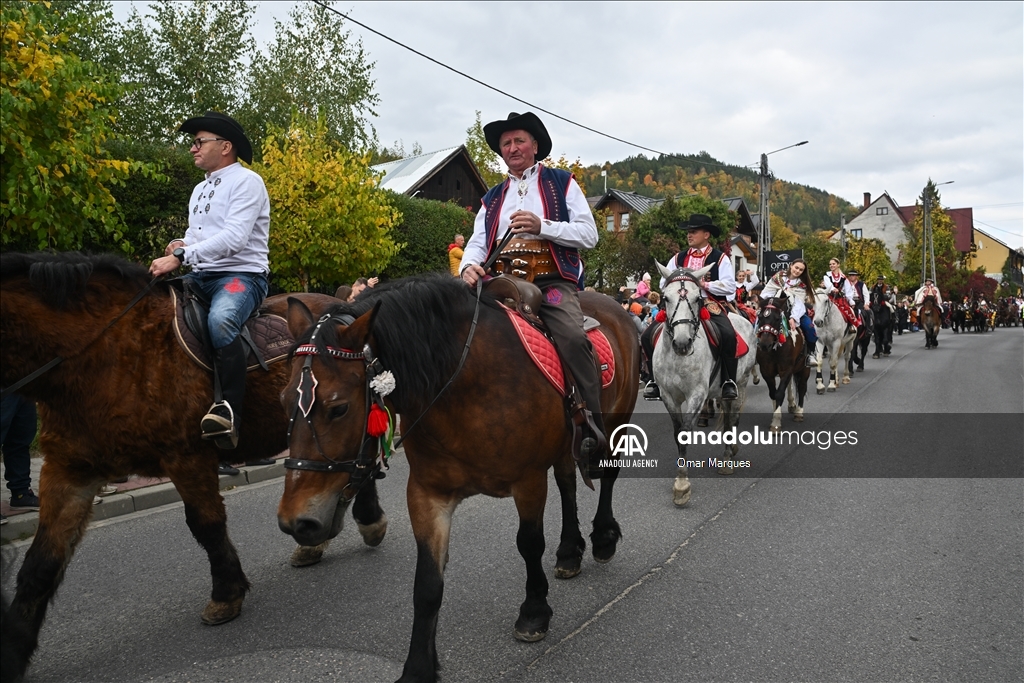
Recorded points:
(427, 228)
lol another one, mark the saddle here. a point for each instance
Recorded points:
(844, 307)
(715, 321)
(266, 337)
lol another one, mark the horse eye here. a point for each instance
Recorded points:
(337, 411)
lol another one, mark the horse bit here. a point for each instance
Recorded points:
(365, 465)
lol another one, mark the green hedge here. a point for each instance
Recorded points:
(427, 228)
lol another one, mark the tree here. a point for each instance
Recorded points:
(818, 251)
(870, 258)
(486, 160)
(316, 68)
(329, 220)
(665, 220)
(56, 116)
(783, 238)
(426, 229)
(947, 259)
(185, 58)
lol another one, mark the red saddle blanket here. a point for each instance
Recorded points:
(741, 345)
(844, 307)
(269, 332)
(542, 352)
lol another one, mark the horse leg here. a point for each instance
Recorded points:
(369, 516)
(197, 484)
(569, 556)
(681, 485)
(833, 362)
(530, 495)
(64, 511)
(754, 377)
(431, 517)
(819, 384)
(847, 364)
(606, 534)
(775, 394)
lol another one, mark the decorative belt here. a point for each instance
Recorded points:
(526, 259)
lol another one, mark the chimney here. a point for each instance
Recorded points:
(867, 199)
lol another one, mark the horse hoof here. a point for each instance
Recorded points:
(876, 355)
(702, 422)
(831, 390)
(757, 380)
(821, 391)
(373, 534)
(221, 612)
(726, 470)
(860, 368)
(797, 418)
(774, 428)
(530, 636)
(792, 410)
(681, 492)
(568, 572)
(306, 555)
(846, 380)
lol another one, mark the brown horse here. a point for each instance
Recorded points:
(931, 321)
(496, 429)
(786, 360)
(125, 400)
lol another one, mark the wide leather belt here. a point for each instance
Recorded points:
(526, 259)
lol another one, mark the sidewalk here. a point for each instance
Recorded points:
(138, 493)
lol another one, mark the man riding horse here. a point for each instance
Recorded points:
(546, 213)
(717, 288)
(884, 315)
(928, 289)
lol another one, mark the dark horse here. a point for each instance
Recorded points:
(931, 321)
(496, 430)
(785, 361)
(882, 329)
(125, 400)
(863, 339)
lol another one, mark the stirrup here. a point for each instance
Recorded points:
(729, 391)
(652, 392)
(219, 424)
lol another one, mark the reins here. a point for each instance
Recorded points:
(60, 359)
(682, 276)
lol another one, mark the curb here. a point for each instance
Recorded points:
(23, 526)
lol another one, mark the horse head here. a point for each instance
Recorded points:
(822, 306)
(683, 304)
(770, 321)
(330, 397)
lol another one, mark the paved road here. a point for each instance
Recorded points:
(761, 578)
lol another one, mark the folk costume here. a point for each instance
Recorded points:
(842, 294)
(928, 289)
(796, 291)
(226, 244)
(857, 287)
(567, 225)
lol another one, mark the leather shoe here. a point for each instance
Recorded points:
(224, 468)
(262, 461)
(729, 392)
(652, 392)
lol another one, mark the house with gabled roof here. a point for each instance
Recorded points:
(445, 175)
(621, 205)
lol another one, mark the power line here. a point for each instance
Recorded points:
(510, 95)
(1015, 234)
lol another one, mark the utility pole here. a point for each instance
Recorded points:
(926, 225)
(842, 234)
(604, 174)
(764, 242)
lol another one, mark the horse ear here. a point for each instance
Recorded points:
(300, 318)
(665, 272)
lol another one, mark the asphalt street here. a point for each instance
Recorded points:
(762, 577)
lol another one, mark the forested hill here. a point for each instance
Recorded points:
(804, 209)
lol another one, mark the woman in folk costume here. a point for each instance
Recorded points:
(928, 289)
(796, 283)
(841, 290)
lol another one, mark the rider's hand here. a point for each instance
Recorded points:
(525, 221)
(164, 265)
(471, 274)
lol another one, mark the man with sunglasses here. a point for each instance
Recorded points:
(226, 244)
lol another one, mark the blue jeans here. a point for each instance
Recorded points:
(807, 325)
(233, 298)
(17, 431)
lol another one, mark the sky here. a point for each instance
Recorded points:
(887, 94)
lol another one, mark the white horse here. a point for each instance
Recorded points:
(834, 333)
(687, 372)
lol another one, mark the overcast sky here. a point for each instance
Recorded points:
(888, 94)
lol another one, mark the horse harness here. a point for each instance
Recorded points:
(366, 465)
(683, 275)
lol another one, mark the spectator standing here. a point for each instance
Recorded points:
(455, 251)
(17, 432)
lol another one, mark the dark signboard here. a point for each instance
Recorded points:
(774, 261)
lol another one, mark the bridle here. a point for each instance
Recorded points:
(366, 465)
(765, 328)
(682, 275)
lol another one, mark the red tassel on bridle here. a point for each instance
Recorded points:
(377, 422)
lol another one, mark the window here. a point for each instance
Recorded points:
(882, 211)
(857, 233)
(609, 224)
(624, 225)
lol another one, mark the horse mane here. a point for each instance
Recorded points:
(418, 331)
(61, 278)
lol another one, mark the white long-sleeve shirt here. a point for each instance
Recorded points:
(229, 222)
(723, 288)
(848, 291)
(579, 231)
(925, 291)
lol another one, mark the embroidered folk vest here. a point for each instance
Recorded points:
(713, 258)
(554, 185)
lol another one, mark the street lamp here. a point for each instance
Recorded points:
(927, 241)
(764, 242)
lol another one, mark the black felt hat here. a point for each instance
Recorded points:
(852, 272)
(699, 221)
(529, 122)
(222, 126)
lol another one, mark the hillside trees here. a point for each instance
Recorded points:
(487, 161)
